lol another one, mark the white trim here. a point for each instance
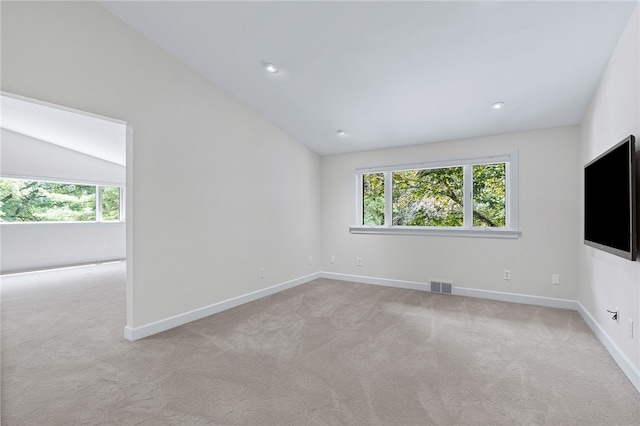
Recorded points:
(99, 203)
(409, 285)
(437, 231)
(388, 200)
(467, 195)
(513, 172)
(625, 364)
(496, 157)
(127, 210)
(61, 108)
(70, 180)
(549, 302)
(358, 191)
(60, 225)
(136, 333)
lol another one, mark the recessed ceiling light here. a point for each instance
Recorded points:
(270, 67)
(341, 133)
(497, 105)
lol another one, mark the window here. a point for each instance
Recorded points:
(469, 196)
(110, 203)
(41, 201)
(373, 199)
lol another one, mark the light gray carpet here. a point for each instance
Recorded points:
(327, 352)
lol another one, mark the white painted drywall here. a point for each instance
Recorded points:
(547, 209)
(607, 281)
(26, 246)
(217, 192)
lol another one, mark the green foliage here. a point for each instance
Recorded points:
(431, 197)
(489, 195)
(373, 199)
(34, 201)
(435, 197)
(110, 203)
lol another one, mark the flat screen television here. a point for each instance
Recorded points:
(610, 201)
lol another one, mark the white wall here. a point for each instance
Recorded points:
(216, 191)
(607, 281)
(548, 203)
(26, 246)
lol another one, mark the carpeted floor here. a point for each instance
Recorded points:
(327, 352)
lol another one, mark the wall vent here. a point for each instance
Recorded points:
(442, 287)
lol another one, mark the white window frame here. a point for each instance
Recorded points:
(510, 230)
(97, 185)
(99, 217)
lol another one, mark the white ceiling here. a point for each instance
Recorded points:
(393, 73)
(84, 132)
(388, 73)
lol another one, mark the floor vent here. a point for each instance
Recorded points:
(441, 287)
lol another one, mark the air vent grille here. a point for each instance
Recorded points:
(442, 287)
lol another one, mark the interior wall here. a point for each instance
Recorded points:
(547, 207)
(26, 246)
(217, 192)
(607, 281)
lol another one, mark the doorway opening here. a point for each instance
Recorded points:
(65, 188)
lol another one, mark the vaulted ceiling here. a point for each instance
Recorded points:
(76, 130)
(363, 75)
(391, 73)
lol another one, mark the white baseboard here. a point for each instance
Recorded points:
(549, 302)
(137, 333)
(410, 285)
(625, 364)
(459, 291)
(619, 357)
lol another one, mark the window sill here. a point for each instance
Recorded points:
(437, 232)
(64, 223)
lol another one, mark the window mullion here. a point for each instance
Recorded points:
(121, 194)
(468, 196)
(98, 204)
(359, 214)
(388, 198)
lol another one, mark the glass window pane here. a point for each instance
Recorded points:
(430, 197)
(35, 201)
(110, 203)
(489, 195)
(373, 199)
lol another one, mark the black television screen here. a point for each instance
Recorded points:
(610, 201)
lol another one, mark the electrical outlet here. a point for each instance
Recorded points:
(310, 260)
(333, 259)
(507, 274)
(630, 328)
(261, 273)
(555, 279)
(359, 261)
